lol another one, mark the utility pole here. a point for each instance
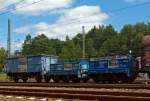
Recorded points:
(130, 42)
(83, 42)
(9, 38)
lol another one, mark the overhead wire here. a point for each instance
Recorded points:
(128, 7)
(14, 9)
(79, 19)
(35, 2)
(109, 11)
(74, 19)
(18, 7)
(5, 8)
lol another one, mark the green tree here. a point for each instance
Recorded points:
(100, 41)
(27, 45)
(39, 45)
(57, 45)
(42, 45)
(70, 50)
(133, 36)
(90, 50)
(3, 56)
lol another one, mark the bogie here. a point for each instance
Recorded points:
(47, 78)
(38, 78)
(118, 69)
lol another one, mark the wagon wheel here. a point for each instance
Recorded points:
(56, 79)
(75, 80)
(38, 78)
(85, 80)
(46, 78)
(25, 79)
(96, 80)
(65, 79)
(15, 79)
(132, 79)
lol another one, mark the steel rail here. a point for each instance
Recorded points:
(80, 85)
(76, 93)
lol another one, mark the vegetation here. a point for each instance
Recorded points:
(3, 55)
(3, 77)
(100, 41)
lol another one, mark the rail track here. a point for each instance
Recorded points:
(73, 93)
(82, 91)
(79, 85)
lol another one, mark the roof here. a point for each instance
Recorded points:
(42, 55)
(31, 56)
(112, 57)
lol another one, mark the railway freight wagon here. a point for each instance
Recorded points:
(113, 69)
(68, 71)
(145, 56)
(29, 67)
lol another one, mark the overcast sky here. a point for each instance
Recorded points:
(58, 18)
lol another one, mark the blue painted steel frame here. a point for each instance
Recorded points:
(60, 69)
(101, 66)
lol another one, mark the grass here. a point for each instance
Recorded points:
(141, 78)
(3, 77)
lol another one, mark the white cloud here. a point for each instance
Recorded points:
(130, 1)
(69, 23)
(34, 7)
(16, 45)
(41, 6)
(5, 3)
(25, 30)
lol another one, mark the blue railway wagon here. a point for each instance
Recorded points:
(29, 67)
(69, 71)
(16, 68)
(124, 67)
(38, 66)
(97, 68)
(113, 69)
(11, 65)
